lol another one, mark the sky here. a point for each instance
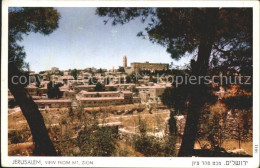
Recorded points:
(83, 40)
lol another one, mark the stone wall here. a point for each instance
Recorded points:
(233, 126)
(137, 67)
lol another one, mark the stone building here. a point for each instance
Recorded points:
(94, 99)
(137, 66)
(152, 93)
(126, 87)
(90, 88)
(69, 94)
(85, 87)
(101, 101)
(53, 103)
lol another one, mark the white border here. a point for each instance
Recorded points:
(127, 161)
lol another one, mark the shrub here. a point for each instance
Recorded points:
(96, 142)
(18, 136)
(153, 146)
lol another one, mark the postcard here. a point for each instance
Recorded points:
(130, 84)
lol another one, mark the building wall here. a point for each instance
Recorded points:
(150, 93)
(137, 67)
(100, 94)
(53, 104)
(96, 103)
(68, 94)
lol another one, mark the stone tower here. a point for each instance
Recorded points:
(125, 61)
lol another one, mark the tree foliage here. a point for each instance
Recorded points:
(121, 69)
(74, 73)
(219, 37)
(99, 87)
(95, 140)
(23, 21)
(53, 90)
(180, 30)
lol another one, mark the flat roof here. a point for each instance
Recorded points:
(91, 93)
(102, 98)
(149, 63)
(53, 101)
(87, 86)
(102, 93)
(126, 84)
(34, 97)
(150, 87)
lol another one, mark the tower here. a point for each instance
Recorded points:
(125, 61)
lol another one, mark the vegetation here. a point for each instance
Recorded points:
(92, 139)
(23, 21)
(96, 141)
(121, 69)
(99, 87)
(18, 137)
(128, 79)
(153, 146)
(222, 39)
(53, 90)
(74, 73)
(221, 32)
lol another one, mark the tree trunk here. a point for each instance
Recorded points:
(172, 124)
(198, 93)
(43, 144)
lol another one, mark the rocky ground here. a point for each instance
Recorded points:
(126, 117)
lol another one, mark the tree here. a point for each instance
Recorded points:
(41, 72)
(100, 70)
(128, 79)
(22, 21)
(99, 87)
(175, 99)
(97, 141)
(215, 33)
(74, 73)
(60, 73)
(53, 90)
(121, 69)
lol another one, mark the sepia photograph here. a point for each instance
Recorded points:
(128, 82)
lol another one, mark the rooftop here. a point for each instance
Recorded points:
(101, 98)
(108, 92)
(150, 87)
(149, 63)
(31, 87)
(53, 101)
